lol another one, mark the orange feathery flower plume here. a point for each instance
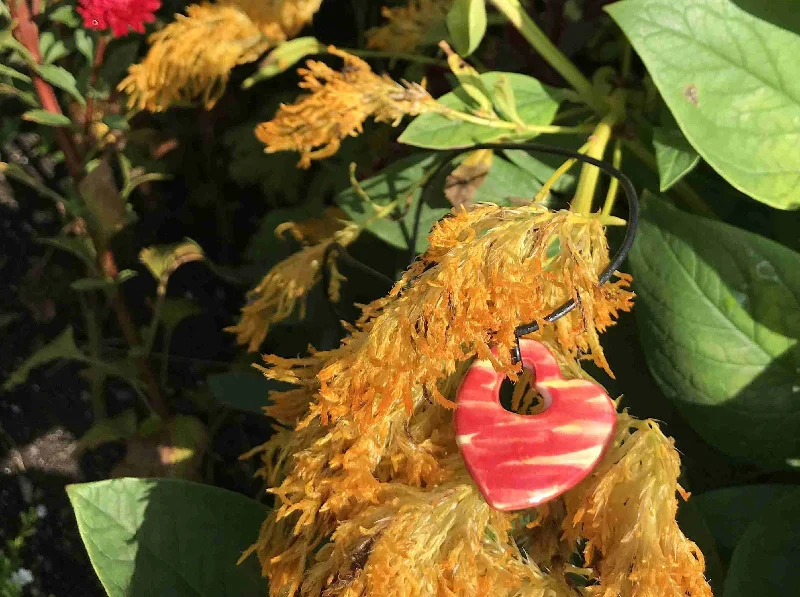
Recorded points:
(374, 498)
(338, 104)
(286, 286)
(410, 26)
(626, 510)
(192, 57)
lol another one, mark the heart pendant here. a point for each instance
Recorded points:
(521, 461)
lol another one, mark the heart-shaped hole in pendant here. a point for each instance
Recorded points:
(521, 396)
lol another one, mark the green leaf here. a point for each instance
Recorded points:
(466, 23)
(729, 511)
(674, 155)
(52, 48)
(101, 196)
(88, 284)
(66, 15)
(392, 183)
(116, 121)
(85, 44)
(729, 80)
(16, 172)
(168, 537)
(719, 319)
(284, 57)
(506, 184)
(112, 429)
(536, 104)
(7, 40)
(80, 246)
(765, 560)
(162, 260)
(134, 182)
(24, 96)
(61, 347)
(243, 390)
(61, 78)
(13, 73)
(46, 118)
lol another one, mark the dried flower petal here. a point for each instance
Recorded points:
(121, 16)
(337, 106)
(409, 25)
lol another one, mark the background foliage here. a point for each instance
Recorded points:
(121, 383)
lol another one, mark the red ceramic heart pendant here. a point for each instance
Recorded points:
(521, 461)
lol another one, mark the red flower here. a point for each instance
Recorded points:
(119, 15)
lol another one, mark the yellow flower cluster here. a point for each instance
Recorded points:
(192, 57)
(409, 25)
(287, 284)
(374, 498)
(337, 105)
(486, 271)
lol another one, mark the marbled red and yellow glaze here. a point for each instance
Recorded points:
(521, 461)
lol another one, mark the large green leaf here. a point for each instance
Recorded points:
(719, 318)
(765, 561)
(168, 537)
(731, 81)
(507, 182)
(536, 104)
(466, 23)
(728, 511)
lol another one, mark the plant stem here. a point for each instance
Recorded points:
(99, 56)
(515, 13)
(561, 171)
(93, 332)
(27, 33)
(394, 56)
(522, 129)
(584, 194)
(611, 196)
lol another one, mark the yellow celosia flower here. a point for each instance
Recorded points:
(486, 271)
(285, 288)
(353, 522)
(375, 499)
(192, 57)
(626, 510)
(337, 106)
(290, 15)
(409, 25)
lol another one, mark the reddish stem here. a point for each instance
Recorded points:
(99, 56)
